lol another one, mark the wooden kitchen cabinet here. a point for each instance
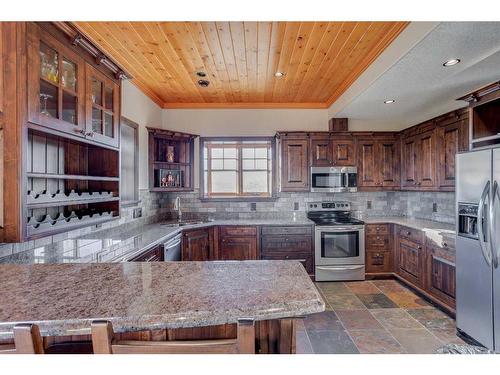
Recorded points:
(237, 243)
(102, 106)
(294, 164)
(335, 151)
(419, 161)
(155, 254)
(288, 243)
(378, 247)
(440, 273)
(378, 162)
(452, 137)
(197, 244)
(56, 83)
(321, 152)
(409, 257)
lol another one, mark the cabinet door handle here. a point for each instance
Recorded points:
(408, 233)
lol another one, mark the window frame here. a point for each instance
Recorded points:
(231, 197)
(126, 122)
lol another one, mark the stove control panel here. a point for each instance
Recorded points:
(329, 206)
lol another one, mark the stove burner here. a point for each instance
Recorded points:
(332, 213)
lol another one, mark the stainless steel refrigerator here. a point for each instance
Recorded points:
(478, 246)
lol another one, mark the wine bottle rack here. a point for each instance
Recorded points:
(49, 224)
(47, 199)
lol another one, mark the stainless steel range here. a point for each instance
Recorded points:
(339, 244)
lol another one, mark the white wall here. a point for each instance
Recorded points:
(241, 122)
(139, 108)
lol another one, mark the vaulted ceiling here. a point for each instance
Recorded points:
(320, 60)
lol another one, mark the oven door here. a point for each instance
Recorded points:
(338, 245)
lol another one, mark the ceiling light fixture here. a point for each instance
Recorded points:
(201, 74)
(390, 101)
(203, 83)
(451, 62)
(279, 74)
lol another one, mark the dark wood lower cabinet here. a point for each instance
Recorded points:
(238, 248)
(440, 274)
(155, 254)
(410, 260)
(288, 243)
(197, 244)
(413, 259)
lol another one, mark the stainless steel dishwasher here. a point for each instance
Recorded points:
(172, 248)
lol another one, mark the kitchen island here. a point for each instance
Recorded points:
(159, 301)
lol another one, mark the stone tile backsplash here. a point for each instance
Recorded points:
(157, 206)
(364, 204)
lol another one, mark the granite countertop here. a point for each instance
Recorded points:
(64, 298)
(116, 245)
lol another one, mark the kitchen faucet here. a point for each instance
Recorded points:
(177, 207)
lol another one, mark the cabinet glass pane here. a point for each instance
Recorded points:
(69, 108)
(68, 74)
(48, 99)
(108, 97)
(49, 63)
(97, 120)
(108, 125)
(96, 91)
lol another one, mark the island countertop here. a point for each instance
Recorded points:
(63, 299)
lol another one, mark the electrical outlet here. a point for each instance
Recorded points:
(253, 206)
(434, 207)
(137, 212)
(296, 206)
(369, 205)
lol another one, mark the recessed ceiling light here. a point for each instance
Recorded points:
(451, 62)
(203, 83)
(279, 74)
(201, 74)
(390, 101)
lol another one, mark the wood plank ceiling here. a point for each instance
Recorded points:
(320, 59)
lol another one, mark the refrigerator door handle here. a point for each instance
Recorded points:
(495, 251)
(480, 232)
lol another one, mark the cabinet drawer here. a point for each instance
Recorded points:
(378, 242)
(410, 234)
(291, 244)
(226, 231)
(377, 229)
(378, 261)
(305, 258)
(271, 230)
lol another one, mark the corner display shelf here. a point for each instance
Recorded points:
(171, 156)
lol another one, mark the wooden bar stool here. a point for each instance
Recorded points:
(104, 343)
(27, 339)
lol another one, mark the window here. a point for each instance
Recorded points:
(129, 175)
(237, 168)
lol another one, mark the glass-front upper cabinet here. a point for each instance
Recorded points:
(56, 88)
(103, 101)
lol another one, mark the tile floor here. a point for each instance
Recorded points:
(378, 316)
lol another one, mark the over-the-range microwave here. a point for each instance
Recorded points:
(334, 179)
